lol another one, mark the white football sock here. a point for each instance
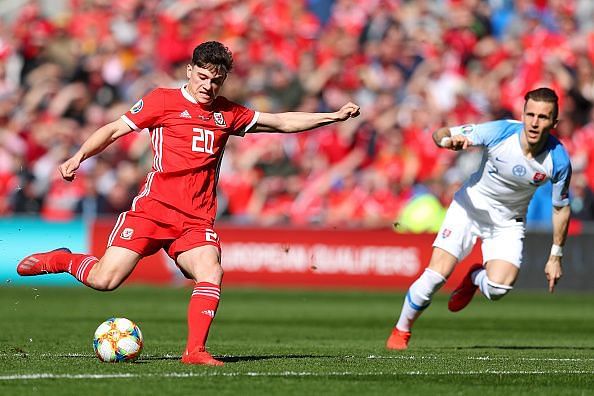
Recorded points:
(418, 298)
(491, 290)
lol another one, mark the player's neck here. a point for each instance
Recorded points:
(532, 150)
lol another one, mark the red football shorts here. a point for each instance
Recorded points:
(153, 225)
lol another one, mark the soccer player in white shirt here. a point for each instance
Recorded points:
(517, 158)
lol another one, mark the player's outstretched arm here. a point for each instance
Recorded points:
(553, 270)
(292, 122)
(96, 143)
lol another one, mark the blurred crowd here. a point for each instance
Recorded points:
(412, 66)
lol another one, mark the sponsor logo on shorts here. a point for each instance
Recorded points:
(219, 120)
(137, 107)
(446, 233)
(127, 233)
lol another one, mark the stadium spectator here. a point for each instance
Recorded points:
(189, 128)
(517, 158)
(86, 61)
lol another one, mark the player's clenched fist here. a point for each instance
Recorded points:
(459, 142)
(68, 169)
(347, 111)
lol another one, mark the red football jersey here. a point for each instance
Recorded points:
(188, 141)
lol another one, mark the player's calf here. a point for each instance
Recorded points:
(419, 297)
(102, 281)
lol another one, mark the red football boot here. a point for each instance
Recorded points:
(200, 356)
(40, 263)
(398, 340)
(463, 294)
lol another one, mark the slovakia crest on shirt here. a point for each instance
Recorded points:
(219, 120)
(538, 177)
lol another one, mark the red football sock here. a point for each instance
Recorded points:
(201, 311)
(77, 265)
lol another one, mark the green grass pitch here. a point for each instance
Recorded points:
(295, 342)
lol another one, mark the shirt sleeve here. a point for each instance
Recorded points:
(147, 112)
(561, 176)
(489, 133)
(244, 119)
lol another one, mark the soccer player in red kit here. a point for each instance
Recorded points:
(175, 209)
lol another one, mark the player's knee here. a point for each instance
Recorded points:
(497, 291)
(209, 271)
(216, 271)
(213, 272)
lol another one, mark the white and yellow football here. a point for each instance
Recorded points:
(118, 340)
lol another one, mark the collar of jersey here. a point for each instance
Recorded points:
(187, 95)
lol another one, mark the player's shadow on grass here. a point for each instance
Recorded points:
(235, 359)
(251, 358)
(522, 347)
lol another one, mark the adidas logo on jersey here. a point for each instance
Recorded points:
(185, 114)
(208, 312)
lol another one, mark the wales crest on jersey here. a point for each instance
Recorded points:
(219, 120)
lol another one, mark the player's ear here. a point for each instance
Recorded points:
(556, 123)
(188, 70)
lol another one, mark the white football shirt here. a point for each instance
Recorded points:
(501, 189)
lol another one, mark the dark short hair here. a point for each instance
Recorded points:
(544, 95)
(213, 55)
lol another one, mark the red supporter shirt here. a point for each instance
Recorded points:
(188, 141)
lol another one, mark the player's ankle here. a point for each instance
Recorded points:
(194, 349)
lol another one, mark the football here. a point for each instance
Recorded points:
(118, 340)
